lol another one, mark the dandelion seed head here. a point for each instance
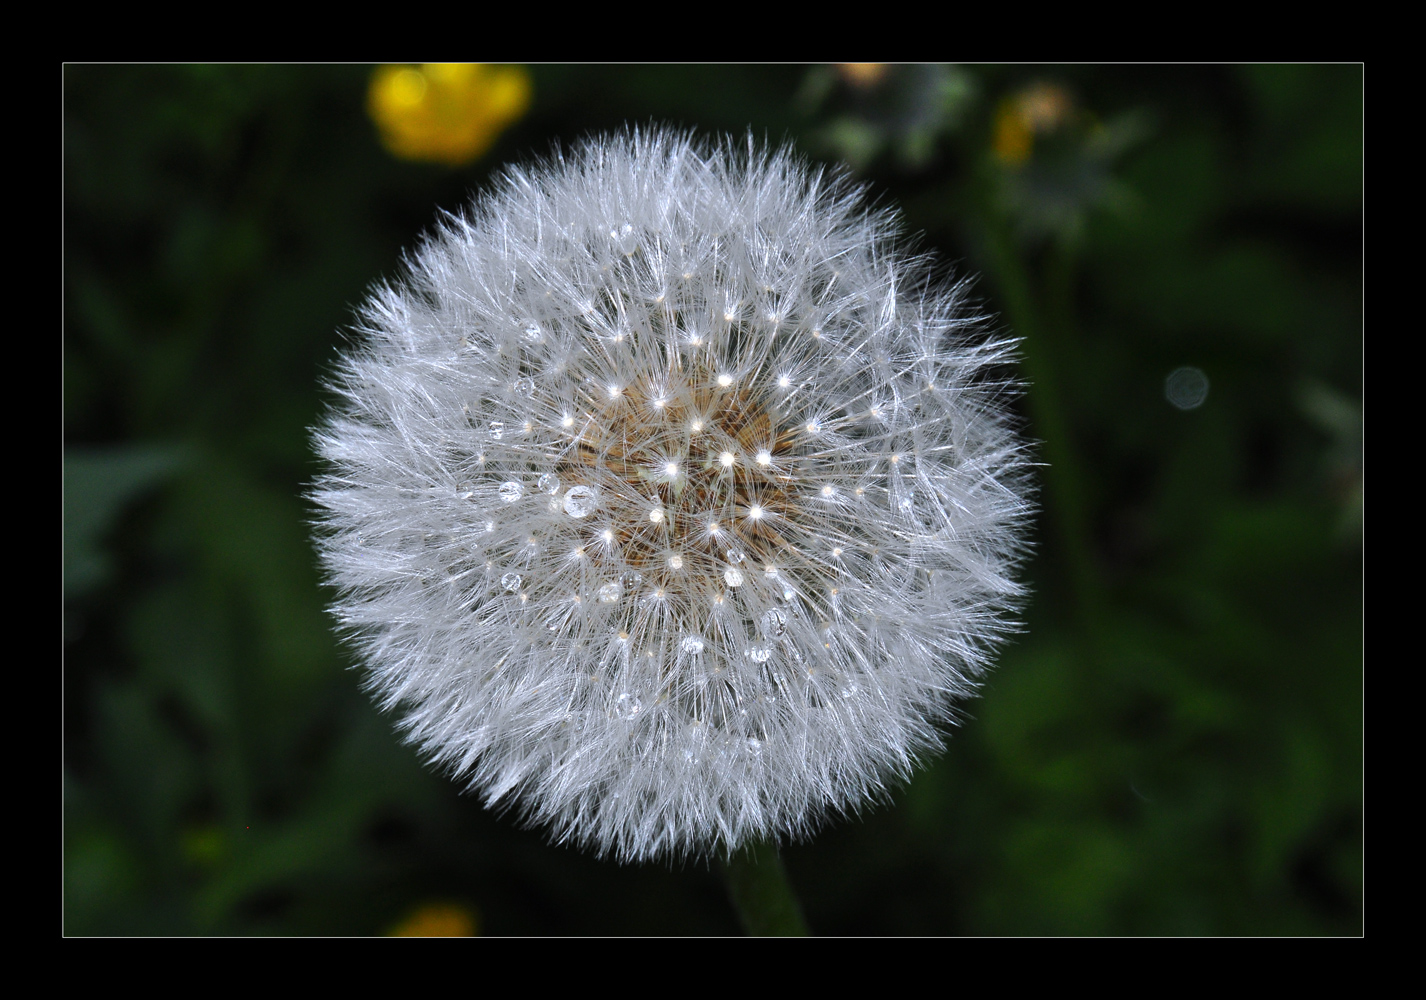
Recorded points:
(547, 547)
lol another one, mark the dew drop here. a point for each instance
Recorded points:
(773, 623)
(676, 562)
(759, 653)
(735, 555)
(754, 746)
(511, 491)
(580, 501)
(511, 582)
(626, 238)
(497, 429)
(631, 579)
(691, 644)
(548, 483)
(609, 593)
(533, 332)
(626, 706)
(733, 576)
(849, 690)
(524, 387)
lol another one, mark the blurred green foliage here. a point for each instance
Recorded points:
(1173, 746)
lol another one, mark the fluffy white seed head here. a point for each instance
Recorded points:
(669, 499)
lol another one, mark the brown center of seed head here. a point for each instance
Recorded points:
(694, 475)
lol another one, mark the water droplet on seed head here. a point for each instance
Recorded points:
(581, 501)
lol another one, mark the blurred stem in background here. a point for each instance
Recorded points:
(1064, 499)
(1049, 166)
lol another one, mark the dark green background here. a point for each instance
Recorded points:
(1173, 746)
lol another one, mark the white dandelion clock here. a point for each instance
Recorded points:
(669, 500)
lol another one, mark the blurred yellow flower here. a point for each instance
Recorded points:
(445, 112)
(1039, 108)
(438, 920)
(862, 74)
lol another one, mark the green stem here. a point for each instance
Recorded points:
(758, 886)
